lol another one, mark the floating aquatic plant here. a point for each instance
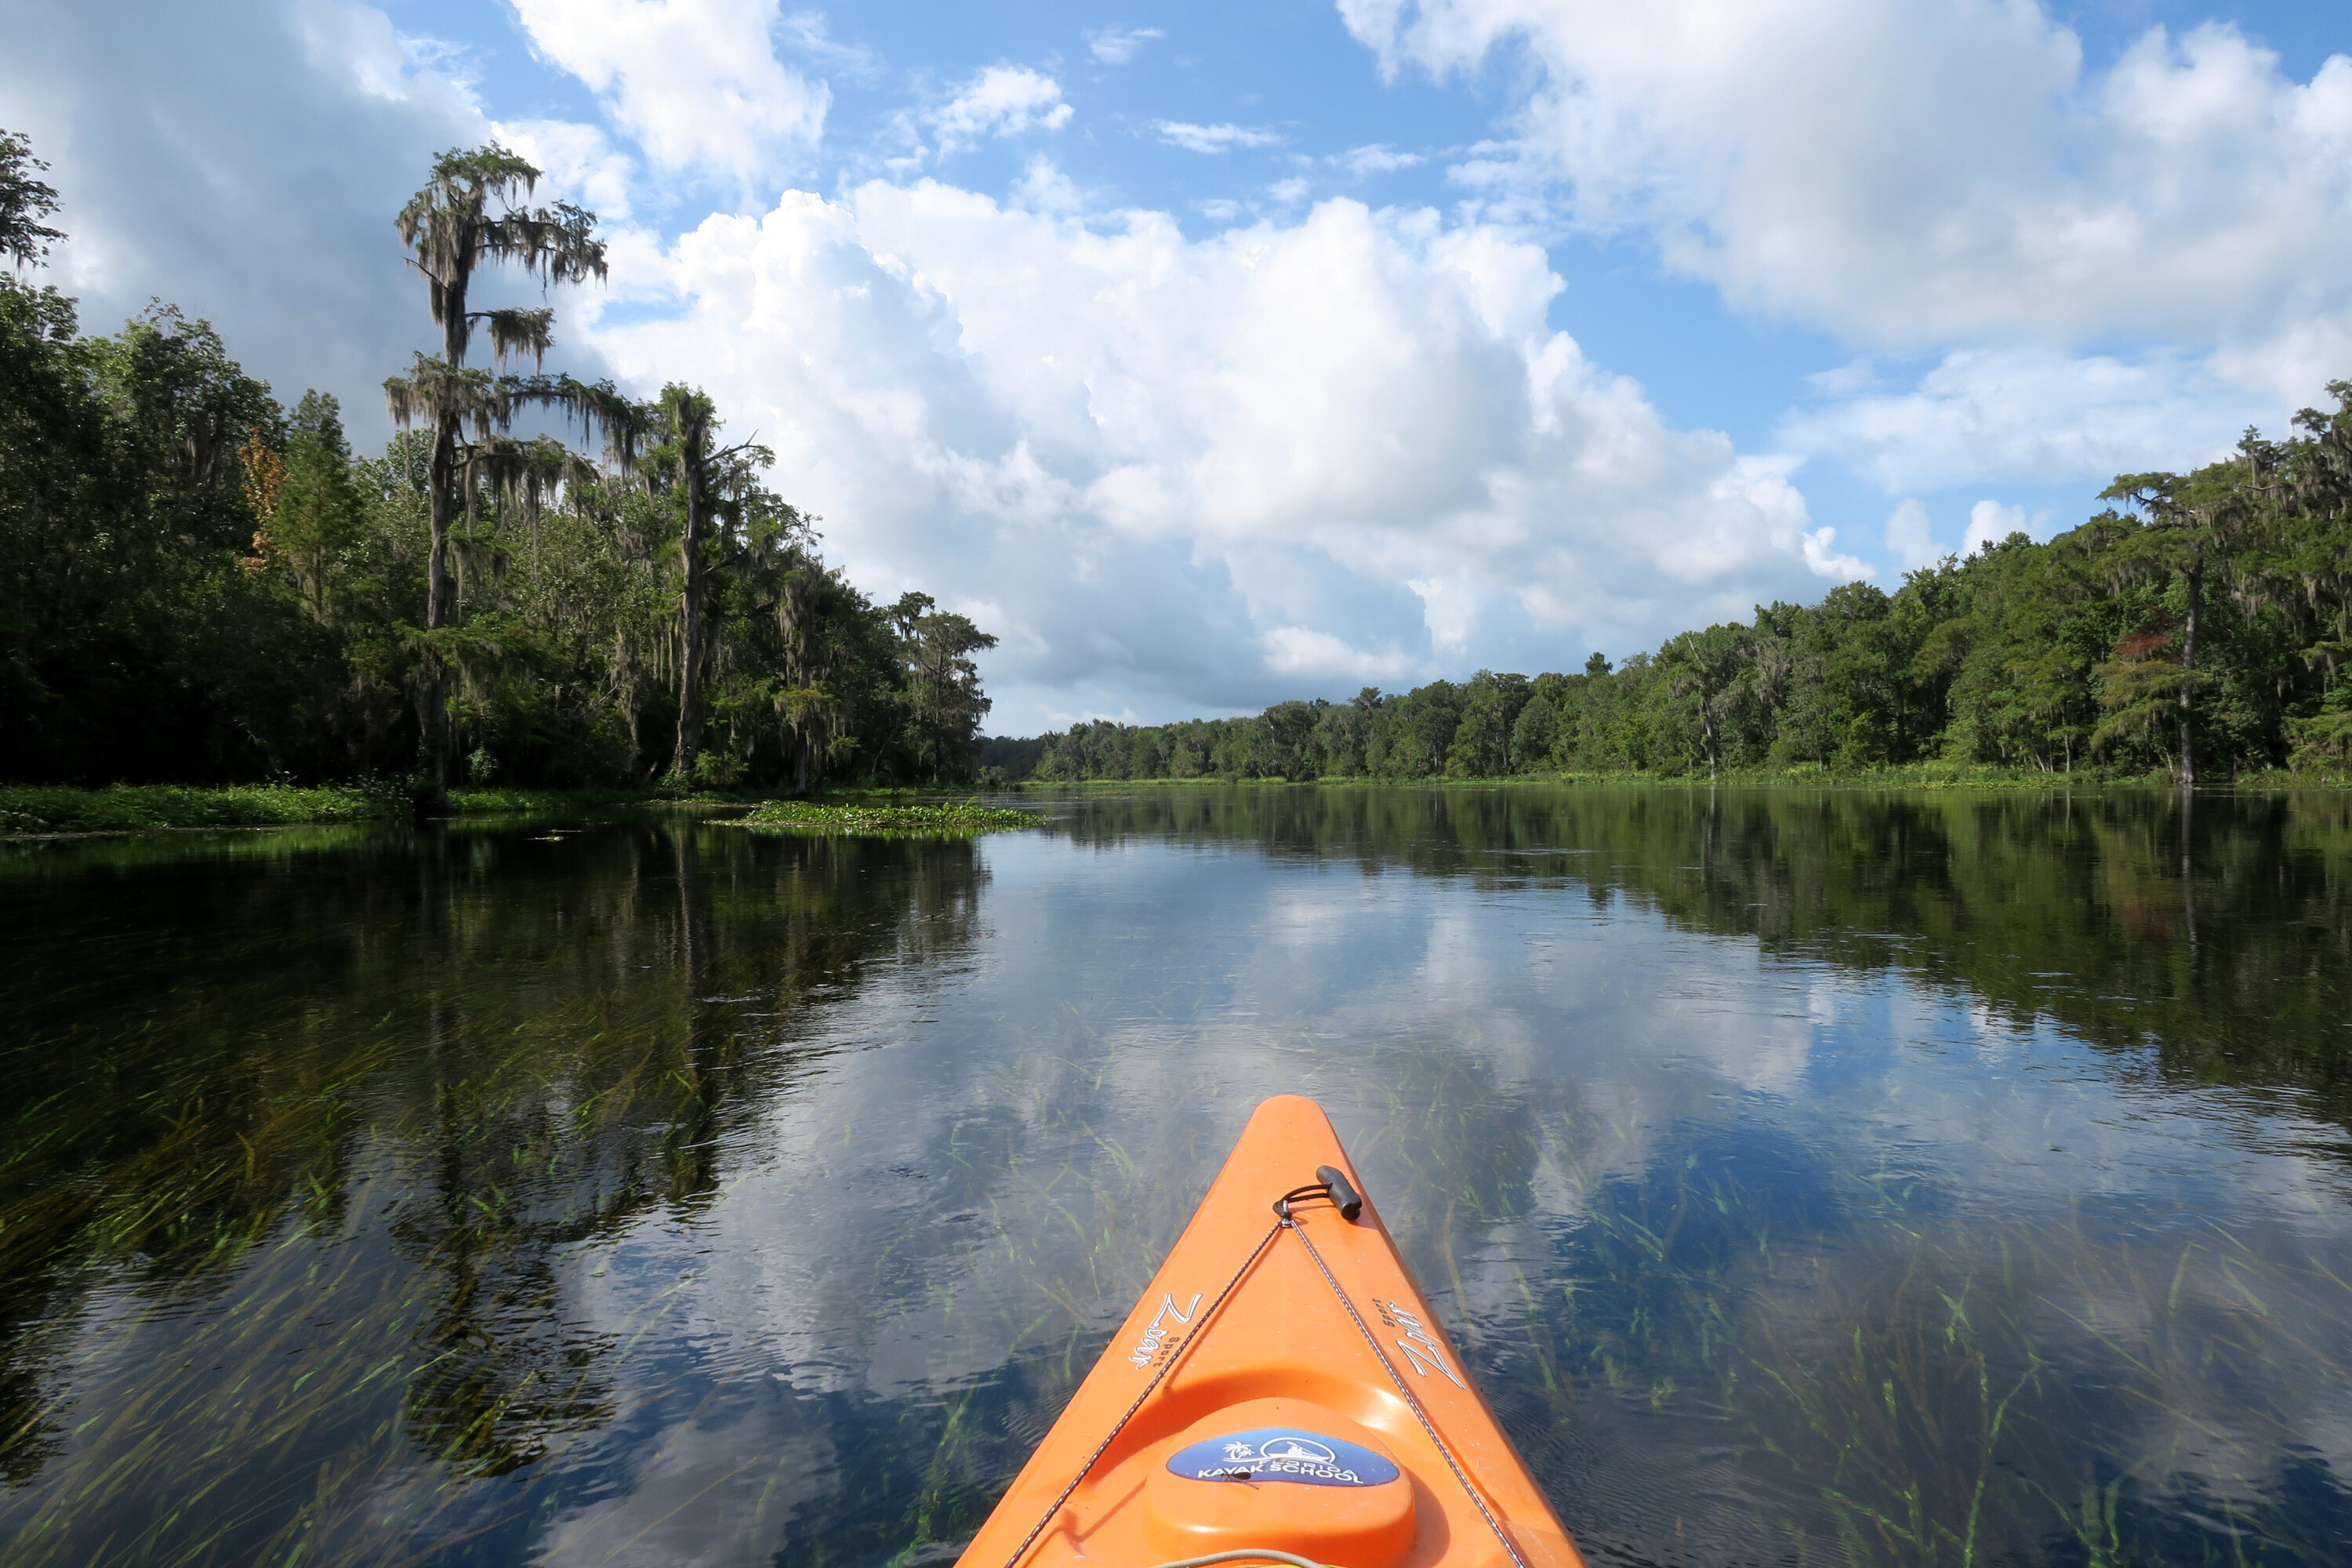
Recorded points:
(956, 819)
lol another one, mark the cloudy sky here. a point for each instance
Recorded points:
(1219, 352)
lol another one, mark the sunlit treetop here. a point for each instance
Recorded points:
(471, 211)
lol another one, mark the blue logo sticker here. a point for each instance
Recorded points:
(1282, 1454)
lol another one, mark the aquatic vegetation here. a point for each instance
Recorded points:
(952, 819)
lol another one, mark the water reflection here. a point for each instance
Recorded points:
(1846, 1178)
(2081, 911)
(301, 1147)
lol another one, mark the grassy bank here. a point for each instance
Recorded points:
(132, 808)
(32, 809)
(116, 808)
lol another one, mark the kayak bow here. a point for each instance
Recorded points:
(1281, 1393)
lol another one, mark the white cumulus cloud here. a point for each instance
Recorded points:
(1116, 45)
(1377, 159)
(1002, 100)
(1910, 536)
(1989, 523)
(1302, 653)
(1190, 474)
(1212, 138)
(579, 162)
(2027, 412)
(1920, 169)
(695, 82)
(1945, 175)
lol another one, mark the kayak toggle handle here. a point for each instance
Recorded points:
(1349, 1202)
(1331, 1182)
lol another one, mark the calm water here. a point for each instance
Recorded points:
(1811, 1179)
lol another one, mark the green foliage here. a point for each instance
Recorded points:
(1481, 745)
(944, 703)
(957, 819)
(199, 586)
(24, 201)
(63, 808)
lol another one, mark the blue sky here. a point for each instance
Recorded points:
(1216, 353)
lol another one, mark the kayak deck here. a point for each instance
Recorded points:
(1281, 1390)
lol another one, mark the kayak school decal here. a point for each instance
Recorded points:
(1282, 1454)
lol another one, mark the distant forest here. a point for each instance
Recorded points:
(199, 584)
(2201, 625)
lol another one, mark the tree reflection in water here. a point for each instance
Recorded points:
(314, 1113)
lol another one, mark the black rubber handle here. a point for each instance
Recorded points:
(1344, 1199)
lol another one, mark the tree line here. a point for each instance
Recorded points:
(200, 584)
(2201, 624)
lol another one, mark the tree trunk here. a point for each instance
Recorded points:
(1707, 732)
(440, 599)
(693, 436)
(2188, 669)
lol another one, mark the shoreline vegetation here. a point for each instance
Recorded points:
(35, 811)
(1927, 776)
(41, 811)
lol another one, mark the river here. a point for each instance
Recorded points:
(1809, 1177)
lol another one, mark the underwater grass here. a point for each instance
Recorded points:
(1869, 1372)
(956, 819)
(371, 1234)
(1874, 1371)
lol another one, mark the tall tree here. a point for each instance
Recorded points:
(690, 414)
(472, 212)
(309, 512)
(1706, 664)
(712, 485)
(451, 228)
(945, 705)
(2189, 525)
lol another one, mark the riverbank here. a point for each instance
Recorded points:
(134, 808)
(32, 810)
(37, 810)
(1919, 777)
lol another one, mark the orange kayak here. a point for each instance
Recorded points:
(1282, 1394)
